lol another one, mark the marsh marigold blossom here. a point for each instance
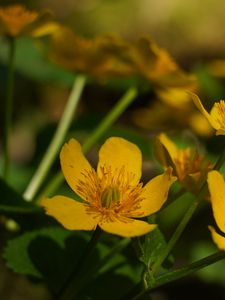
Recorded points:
(189, 166)
(113, 197)
(216, 117)
(17, 20)
(216, 187)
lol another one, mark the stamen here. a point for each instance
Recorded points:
(109, 192)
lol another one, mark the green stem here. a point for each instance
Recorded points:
(86, 277)
(186, 218)
(220, 161)
(8, 107)
(68, 290)
(176, 235)
(182, 272)
(57, 140)
(110, 119)
(104, 125)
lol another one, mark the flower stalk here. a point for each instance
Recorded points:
(98, 132)
(68, 290)
(181, 273)
(8, 107)
(57, 140)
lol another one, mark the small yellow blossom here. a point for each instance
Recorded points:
(113, 196)
(216, 117)
(216, 187)
(104, 55)
(157, 65)
(16, 20)
(189, 166)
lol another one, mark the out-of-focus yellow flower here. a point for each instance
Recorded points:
(216, 187)
(216, 116)
(110, 55)
(189, 166)
(104, 55)
(157, 65)
(112, 196)
(173, 110)
(217, 67)
(16, 20)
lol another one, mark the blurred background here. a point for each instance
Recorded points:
(193, 32)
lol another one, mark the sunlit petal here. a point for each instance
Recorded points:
(218, 239)
(127, 227)
(155, 193)
(208, 116)
(169, 145)
(116, 153)
(216, 186)
(71, 214)
(73, 164)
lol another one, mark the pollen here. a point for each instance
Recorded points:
(109, 194)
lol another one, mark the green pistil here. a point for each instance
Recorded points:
(110, 195)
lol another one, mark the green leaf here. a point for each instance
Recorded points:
(151, 249)
(31, 62)
(48, 254)
(13, 203)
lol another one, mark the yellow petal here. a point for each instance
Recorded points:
(218, 239)
(169, 145)
(73, 163)
(208, 116)
(216, 186)
(117, 153)
(155, 193)
(70, 213)
(45, 29)
(127, 228)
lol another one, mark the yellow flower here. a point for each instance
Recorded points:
(112, 196)
(216, 117)
(16, 20)
(104, 55)
(216, 187)
(189, 166)
(157, 65)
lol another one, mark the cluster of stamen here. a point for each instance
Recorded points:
(109, 193)
(188, 162)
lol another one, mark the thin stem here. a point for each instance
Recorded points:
(57, 140)
(110, 119)
(176, 235)
(86, 277)
(8, 107)
(186, 218)
(220, 161)
(182, 272)
(104, 125)
(67, 290)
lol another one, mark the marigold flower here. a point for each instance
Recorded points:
(16, 20)
(216, 187)
(157, 65)
(112, 196)
(104, 55)
(189, 166)
(216, 117)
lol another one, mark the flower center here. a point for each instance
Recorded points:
(110, 195)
